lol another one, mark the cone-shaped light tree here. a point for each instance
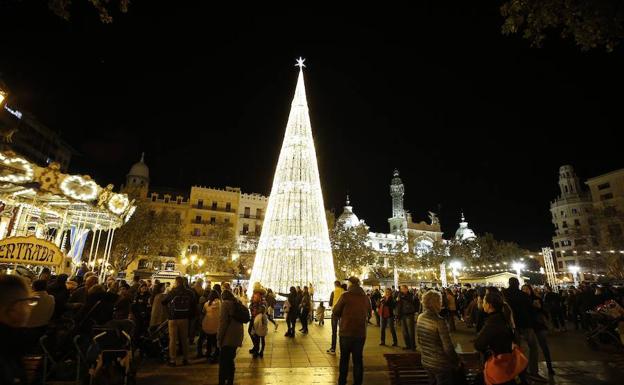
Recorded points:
(294, 248)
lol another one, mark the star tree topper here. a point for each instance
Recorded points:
(300, 63)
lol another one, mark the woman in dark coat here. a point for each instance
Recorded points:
(496, 337)
(293, 313)
(540, 326)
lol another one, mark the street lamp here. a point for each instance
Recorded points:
(574, 269)
(192, 263)
(455, 265)
(518, 266)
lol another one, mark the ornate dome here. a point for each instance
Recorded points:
(348, 219)
(464, 233)
(140, 169)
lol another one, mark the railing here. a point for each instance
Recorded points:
(247, 216)
(220, 209)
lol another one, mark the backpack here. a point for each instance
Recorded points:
(241, 313)
(180, 305)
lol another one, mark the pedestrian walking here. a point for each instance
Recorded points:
(260, 330)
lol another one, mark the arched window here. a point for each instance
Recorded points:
(170, 266)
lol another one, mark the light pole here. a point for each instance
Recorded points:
(574, 269)
(455, 265)
(518, 266)
(193, 262)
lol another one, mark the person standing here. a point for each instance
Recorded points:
(334, 297)
(159, 312)
(522, 309)
(353, 309)
(387, 305)
(180, 304)
(320, 313)
(210, 326)
(229, 337)
(438, 355)
(257, 302)
(306, 306)
(40, 315)
(293, 311)
(260, 330)
(141, 310)
(540, 326)
(452, 308)
(375, 298)
(406, 309)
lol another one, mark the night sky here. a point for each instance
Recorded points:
(473, 120)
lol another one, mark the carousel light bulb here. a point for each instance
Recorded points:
(294, 247)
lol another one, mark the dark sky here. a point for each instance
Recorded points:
(471, 118)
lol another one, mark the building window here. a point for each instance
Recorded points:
(166, 199)
(566, 188)
(245, 228)
(228, 207)
(258, 229)
(200, 203)
(604, 186)
(213, 220)
(198, 219)
(227, 220)
(143, 264)
(564, 224)
(214, 205)
(247, 210)
(258, 213)
(604, 197)
(170, 266)
(561, 212)
(380, 246)
(196, 232)
(153, 198)
(560, 264)
(556, 245)
(577, 222)
(574, 211)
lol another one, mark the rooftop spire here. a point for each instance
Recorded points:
(300, 94)
(143, 157)
(348, 201)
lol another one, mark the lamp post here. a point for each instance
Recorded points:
(574, 269)
(192, 263)
(518, 266)
(455, 265)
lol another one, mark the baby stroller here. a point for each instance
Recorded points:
(155, 343)
(604, 324)
(108, 357)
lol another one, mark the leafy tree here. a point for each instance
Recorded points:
(147, 234)
(351, 251)
(590, 23)
(218, 247)
(103, 7)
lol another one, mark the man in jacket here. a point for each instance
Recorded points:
(353, 308)
(15, 307)
(333, 299)
(180, 302)
(229, 338)
(522, 309)
(407, 307)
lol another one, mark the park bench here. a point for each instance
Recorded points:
(406, 369)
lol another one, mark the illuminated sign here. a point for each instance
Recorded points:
(15, 113)
(30, 251)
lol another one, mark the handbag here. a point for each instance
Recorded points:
(504, 367)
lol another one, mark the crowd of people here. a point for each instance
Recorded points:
(213, 317)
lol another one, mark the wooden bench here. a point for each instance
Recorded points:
(406, 369)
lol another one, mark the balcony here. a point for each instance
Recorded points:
(231, 210)
(247, 216)
(196, 222)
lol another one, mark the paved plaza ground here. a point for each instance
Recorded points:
(303, 360)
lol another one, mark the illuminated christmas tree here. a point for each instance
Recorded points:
(294, 248)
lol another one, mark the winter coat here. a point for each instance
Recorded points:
(180, 291)
(437, 349)
(212, 314)
(386, 307)
(159, 311)
(261, 325)
(496, 335)
(230, 331)
(407, 304)
(521, 306)
(353, 308)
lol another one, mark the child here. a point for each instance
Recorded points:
(320, 313)
(260, 330)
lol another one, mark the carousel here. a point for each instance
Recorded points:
(46, 217)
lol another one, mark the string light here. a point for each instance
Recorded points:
(24, 171)
(294, 248)
(79, 188)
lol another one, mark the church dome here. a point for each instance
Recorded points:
(464, 233)
(348, 219)
(140, 169)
